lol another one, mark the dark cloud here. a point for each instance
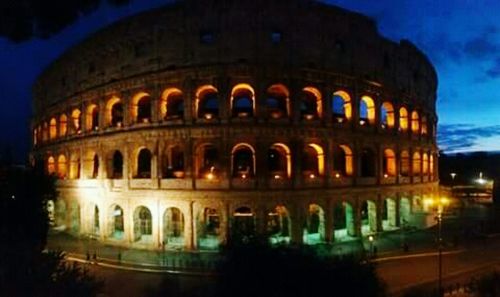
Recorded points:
(494, 70)
(440, 47)
(481, 47)
(460, 137)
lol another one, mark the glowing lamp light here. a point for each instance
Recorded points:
(277, 176)
(362, 122)
(337, 175)
(243, 176)
(210, 176)
(340, 120)
(429, 201)
(444, 201)
(370, 238)
(311, 176)
(208, 116)
(386, 175)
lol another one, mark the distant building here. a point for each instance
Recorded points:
(202, 121)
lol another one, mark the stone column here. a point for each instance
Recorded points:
(329, 236)
(296, 152)
(297, 219)
(190, 235)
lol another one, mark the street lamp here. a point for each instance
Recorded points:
(370, 239)
(441, 203)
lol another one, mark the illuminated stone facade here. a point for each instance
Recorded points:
(204, 121)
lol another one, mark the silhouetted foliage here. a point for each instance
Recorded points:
(21, 20)
(489, 285)
(25, 270)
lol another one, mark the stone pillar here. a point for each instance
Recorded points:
(222, 85)
(326, 101)
(190, 236)
(379, 206)
(297, 220)
(296, 152)
(261, 170)
(155, 102)
(329, 230)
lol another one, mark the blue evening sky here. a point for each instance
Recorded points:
(461, 38)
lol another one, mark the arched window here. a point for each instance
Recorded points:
(341, 106)
(63, 125)
(389, 162)
(387, 115)
(76, 121)
(279, 161)
(403, 119)
(368, 164)
(51, 165)
(207, 99)
(173, 226)
(172, 104)
(142, 223)
(405, 163)
(75, 166)
(277, 101)
(116, 222)
(210, 222)
(208, 162)
(53, 128)
(144, 109)
(92, 117)
(416, 163)
(342, 161)
(431, 164)
(243, 161)
(313, 160)
(144, 163)
(114, 112)
(117, 165)
(242, 101)
(310, 103)
(424, 125)
(415, 122)
(45, 131)
(61, 166)
(175, 162)
(95, 166)
(366, 111)
(425, 163)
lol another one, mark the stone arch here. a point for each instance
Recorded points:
(389, 163)
(141, 107)
(403, 119)
(173, 160)
(243, 160)
(116, 222)
(242, 101)
(344, 221)
(387, 115)
(172, 104)
(173, 227)
(404, 212)
(314, 229)
(143, 163)
(341, 106)
(207, 161)
(404, 163)
(63, 125)
(51, 165)
(116, 165)
(415, 122)
(425, 164)
(76, 121)
(207, 102)
(74, 166)
(52, 128)
(277, 101)
(313, 160)
(368, 166)
(311, 106)
(61, 166)
(114, 112)
(416, 163)
(343, 161)
(143, 225)
(209, 228)
(279, 161)
(243, 224)
(279, 225)
(389, 214)
(368, 214)
(366, 110)
(92, 117)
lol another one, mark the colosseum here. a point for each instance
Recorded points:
(203, 122)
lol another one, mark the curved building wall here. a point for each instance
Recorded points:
(183, 127)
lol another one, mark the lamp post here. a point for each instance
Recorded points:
(370, 239)
(440, 207)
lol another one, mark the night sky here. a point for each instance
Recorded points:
(461, 38)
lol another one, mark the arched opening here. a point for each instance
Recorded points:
(405, 163)
(173, 227)
(117, 165)
(417, 164)
(389, 163)
(314, 231)
(277, 104)
(52, 128)
(278, 225)
(95, 166)
(144, 163)
(343, 222)
(279, 161)
(389, 214)
(366, 111)
(116, 223)
(207, 99)
(76, 121)
(343, 161)
(92, 117)
(403, 119)
(310, 104)
(208, 162)
(144, 109)
(75, 166)
(425, 164)
(45, 131)
(243, 161)
(209, 229)
(61, 166)
(35, 136)
(431, 165)
(117, 114)
(51, 165)
(404, 212)
(63, 125)
(243, 228)
(368, 217)
(172, 104)
(387, 115)
(242, 101)
(313, 161)
(368, 163)
(175, 162)
(424, 127)
(415, 122)
(143, 224)
(341, 106)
